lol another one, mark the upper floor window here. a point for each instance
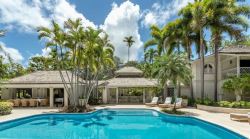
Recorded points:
(208, 68)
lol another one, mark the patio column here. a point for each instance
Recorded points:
(66, 98)
(51, 97)
(117, 95)
(144, 95)
(105, 95)
(238, 66)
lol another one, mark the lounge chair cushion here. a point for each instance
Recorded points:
(154, 100)
(168, 100)
(178, 101)
(239, 116)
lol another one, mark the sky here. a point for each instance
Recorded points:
(118, 18)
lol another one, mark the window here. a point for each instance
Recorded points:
(24, 93)
(208, 69)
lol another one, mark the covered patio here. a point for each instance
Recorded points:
(129, 87)
(41, 88)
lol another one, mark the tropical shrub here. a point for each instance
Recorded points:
(224, 104)
(227, 104)
(5, 108)
(237, 85)
(206, 101)
(191, 102)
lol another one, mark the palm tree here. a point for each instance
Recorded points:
(156, 40)
(130, 41)
(2, 33)
(172, 67)
(149, 55)
(228, 17)
(87, 52)
(198, 19)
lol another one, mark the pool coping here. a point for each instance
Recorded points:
(99, 110)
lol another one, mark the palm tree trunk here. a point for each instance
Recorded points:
(202, 64)
(191, 80)
(179, 89)
(216, 72)
(128, 53)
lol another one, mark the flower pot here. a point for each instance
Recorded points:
(184, 102)
(81, 102)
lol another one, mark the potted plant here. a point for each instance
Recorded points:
(81, 101)
(184, 101)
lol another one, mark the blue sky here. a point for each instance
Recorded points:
(118, 18)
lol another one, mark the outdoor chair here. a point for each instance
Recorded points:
(24, 102)
(16, 102)
(178, 102)
(167, 103)
(153, 103)
(32, 102)
(44, 102)
(249, 117)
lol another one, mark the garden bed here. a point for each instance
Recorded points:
(222, 109)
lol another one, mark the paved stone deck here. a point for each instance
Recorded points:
(222, 119)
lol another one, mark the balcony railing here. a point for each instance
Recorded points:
(233, 72)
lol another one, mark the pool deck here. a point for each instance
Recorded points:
(221, 119)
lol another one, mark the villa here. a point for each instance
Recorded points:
(233, 60)
(129, 86)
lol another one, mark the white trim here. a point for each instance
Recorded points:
(238, 66)
(117, 95)
(51, 97)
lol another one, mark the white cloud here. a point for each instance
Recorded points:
(23, 14)
(15, 55)
(64, 10)
(45, 53)
(120, 22)
(27, 15)
(161, 12)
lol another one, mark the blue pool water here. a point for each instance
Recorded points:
(113, 124)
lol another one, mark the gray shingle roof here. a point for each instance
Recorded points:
(128, 71)
(131, 82)
(40, 77)
(238, 49)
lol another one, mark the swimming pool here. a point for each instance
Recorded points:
(113, 124)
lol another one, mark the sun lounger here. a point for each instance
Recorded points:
(167, 103)
(178, 103)
(240, 117)
(249, 117)
(154, 102)
(44, 102)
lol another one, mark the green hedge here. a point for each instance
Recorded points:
(227, 104)
(5, 108)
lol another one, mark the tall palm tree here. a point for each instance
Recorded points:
(149, 55)
(228, 17)
(130, 41)
(86, 50)
(172, 67)
(156, 40)
(2, 33)
(198, 19)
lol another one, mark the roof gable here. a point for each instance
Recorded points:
(41, 77)
(128, 71)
